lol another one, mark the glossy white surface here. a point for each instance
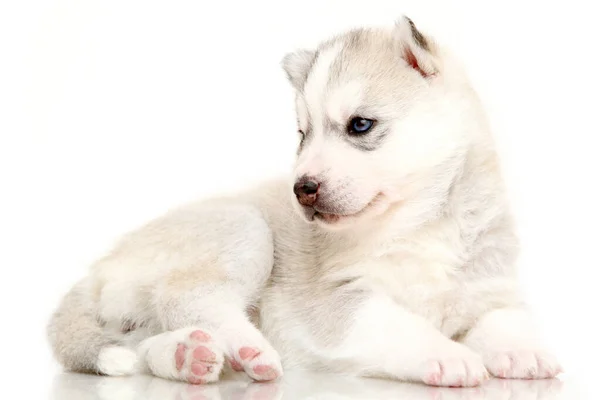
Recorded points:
(300, 385)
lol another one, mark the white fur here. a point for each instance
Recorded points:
(157, 353)
(407, 271)
(117, 361)
(316, 83)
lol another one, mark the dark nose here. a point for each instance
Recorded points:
(306, 191)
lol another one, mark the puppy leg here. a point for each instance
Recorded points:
(216, 327)
(247, 349)
(188, 354)
(510, 347)
(385, 340)
(202, 305)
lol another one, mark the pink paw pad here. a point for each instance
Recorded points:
(248, 353)
(265, 372)
(200, 336)
(202, 353)
(236, 365)
(180, 356)
(199, 369)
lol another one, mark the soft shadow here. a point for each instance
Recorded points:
(295, 385)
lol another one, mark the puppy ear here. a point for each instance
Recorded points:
(416, 48)
(296, 65)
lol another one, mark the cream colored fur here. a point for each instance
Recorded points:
(406, 271)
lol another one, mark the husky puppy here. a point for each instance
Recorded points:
(390, 253)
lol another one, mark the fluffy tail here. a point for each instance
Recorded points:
(81, 344)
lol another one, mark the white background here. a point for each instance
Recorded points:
(112, 112)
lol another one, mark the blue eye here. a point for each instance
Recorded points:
(360, 125)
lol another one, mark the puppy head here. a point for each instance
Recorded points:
(376, 112)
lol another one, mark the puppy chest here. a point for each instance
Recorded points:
(427, 288)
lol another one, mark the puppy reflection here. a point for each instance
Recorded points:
(293, 386)
(88, 387)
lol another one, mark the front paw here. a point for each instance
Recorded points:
(458, 368)
(522, 364)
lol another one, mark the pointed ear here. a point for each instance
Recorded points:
(417, 50)
(296, 65)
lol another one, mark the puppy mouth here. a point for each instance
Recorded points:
(332, 218)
